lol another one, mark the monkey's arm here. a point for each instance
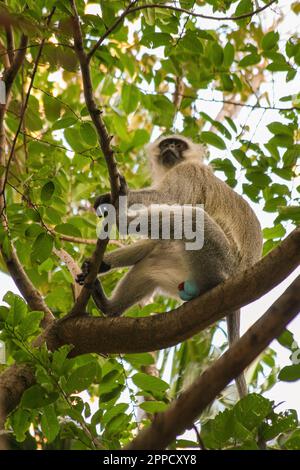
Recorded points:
(183, 184)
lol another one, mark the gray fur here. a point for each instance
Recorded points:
(232, 237)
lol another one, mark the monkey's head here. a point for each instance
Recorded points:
(167, 151)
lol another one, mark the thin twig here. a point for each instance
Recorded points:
(131, 9)
(25, 104)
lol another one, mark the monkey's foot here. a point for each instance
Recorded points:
(85, 269)
(188, 290)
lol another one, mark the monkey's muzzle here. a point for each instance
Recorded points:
(169, 157)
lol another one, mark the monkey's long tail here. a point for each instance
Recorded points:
(233, 326)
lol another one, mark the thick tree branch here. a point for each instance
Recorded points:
(131, 9)
(13, 382)
(131, 335)
(185, 410)
(25, 286)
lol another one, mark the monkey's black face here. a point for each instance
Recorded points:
(171, 151)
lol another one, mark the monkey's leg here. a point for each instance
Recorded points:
(131, 289)
(120, 258)
(212, 264)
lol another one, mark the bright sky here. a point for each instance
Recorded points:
(257, 121)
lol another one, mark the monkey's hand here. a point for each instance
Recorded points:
(102, 201)
(123, 191)
(100, 204)
(104, 267)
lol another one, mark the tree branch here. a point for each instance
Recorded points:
(10, 43)
(104, 141)
(131, 9)
(111, 29)
(15, 268)
(131, 335)
(95, 112)
(25, 286)
(186, 409)
(13, 382)
(24, 107)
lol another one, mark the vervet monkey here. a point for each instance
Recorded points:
(232, 235)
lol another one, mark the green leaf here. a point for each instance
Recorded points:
(82, 377)
(18, 308)
(279, 128)
(20, 421)
(30, 324)
(213, 139)
(279, 423)
(258, 178)
(88, 133)
(244, 6)
(292, 442)
(37, 397)
(112, 395)
(120, 125)
(241, 157)
(286, 339)
(191, 43)
(270, 40)
(228, 54)
(49, 423)
(52, 108)
(231, 123)
(278, 231)
(291, 155)
(250, 59)
(64, 122)
(149, 15)
(149, 383)
(272, 204)
(47, 191)
(59, 358)
(120, 408)
(42, 247)
(290, 373)
(138, 360)
(279, 67)
(130, 97)
(153, 406)
(217, 54)
(141, 137)
(68, 229)
(109, 381)
(71, 136)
